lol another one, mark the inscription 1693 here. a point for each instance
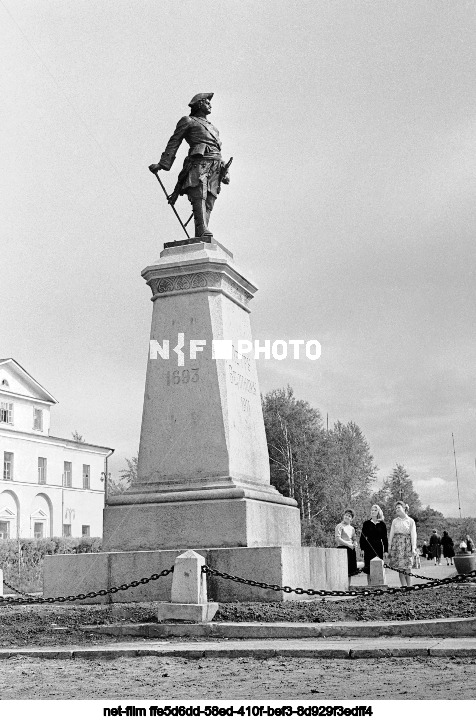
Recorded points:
(182, 376)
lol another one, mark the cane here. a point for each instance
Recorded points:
(167, 196)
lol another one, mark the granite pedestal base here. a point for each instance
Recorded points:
(198, 523)
(306, 567)
(192, 612)
(203, 478)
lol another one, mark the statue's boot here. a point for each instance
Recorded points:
(210, 202)
(200, 217)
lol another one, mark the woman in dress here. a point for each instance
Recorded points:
(373, 538)
(448, 548)
(402, 542)
(345, 538)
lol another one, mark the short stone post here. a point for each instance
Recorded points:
(189, 592)
(1, 582)
(377, 573)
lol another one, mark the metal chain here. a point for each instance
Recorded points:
(275, 587)
(407, 573)
(460, 578)
(82, 596)
(17, 590)
(398, 570)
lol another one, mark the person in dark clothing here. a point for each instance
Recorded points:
(373, 538)
(435, 545)
(448, 548)
(429, 555)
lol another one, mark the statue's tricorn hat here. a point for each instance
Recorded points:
(198, 97)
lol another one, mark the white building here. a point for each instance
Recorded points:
(49, 486)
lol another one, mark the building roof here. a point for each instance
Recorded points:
(26, 376)
(81, 444)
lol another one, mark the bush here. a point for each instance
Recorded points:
(314, 534)
(22, 560)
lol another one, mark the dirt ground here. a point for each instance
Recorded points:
(242, 678)
(277, 679)
(58, 624)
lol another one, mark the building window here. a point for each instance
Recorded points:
(4, 530)
(41, 470)
(67, 530)
(68, 474)
(38, 530)
(86, 475)
(37, 419)
(86, 531)
(6, 412)
(7, 466)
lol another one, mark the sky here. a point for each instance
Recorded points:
(351, 206)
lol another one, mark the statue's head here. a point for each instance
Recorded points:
(200, 103)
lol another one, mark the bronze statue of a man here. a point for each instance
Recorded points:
(203, 169)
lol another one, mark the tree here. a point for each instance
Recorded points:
(325, 471)
(129, 474)
(115, 487)
(350, 469)
(78, 437)
(458, 528)
(293, 431)
(397, 487)
(426, 520)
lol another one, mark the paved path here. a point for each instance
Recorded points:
(428, 568)
(253, 630)
(263, 648)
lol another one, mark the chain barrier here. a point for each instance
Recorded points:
(432, 583)
(82, 596)
(401, 570)
(426, 578)
(415, 575)
(460, 578)
(17, 590)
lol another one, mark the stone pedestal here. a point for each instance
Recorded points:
(189, 592)
(377, 573)
(292, 566)
(203, 474)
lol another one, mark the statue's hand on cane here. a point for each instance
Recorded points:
(155, 167)
(173, 197)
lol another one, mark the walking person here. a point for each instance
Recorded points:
(346, 539)
(435, 545)
(417, 558)
(373, 538)
(448, 548)
(425, 549)
(403, 543)
(469, 543)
